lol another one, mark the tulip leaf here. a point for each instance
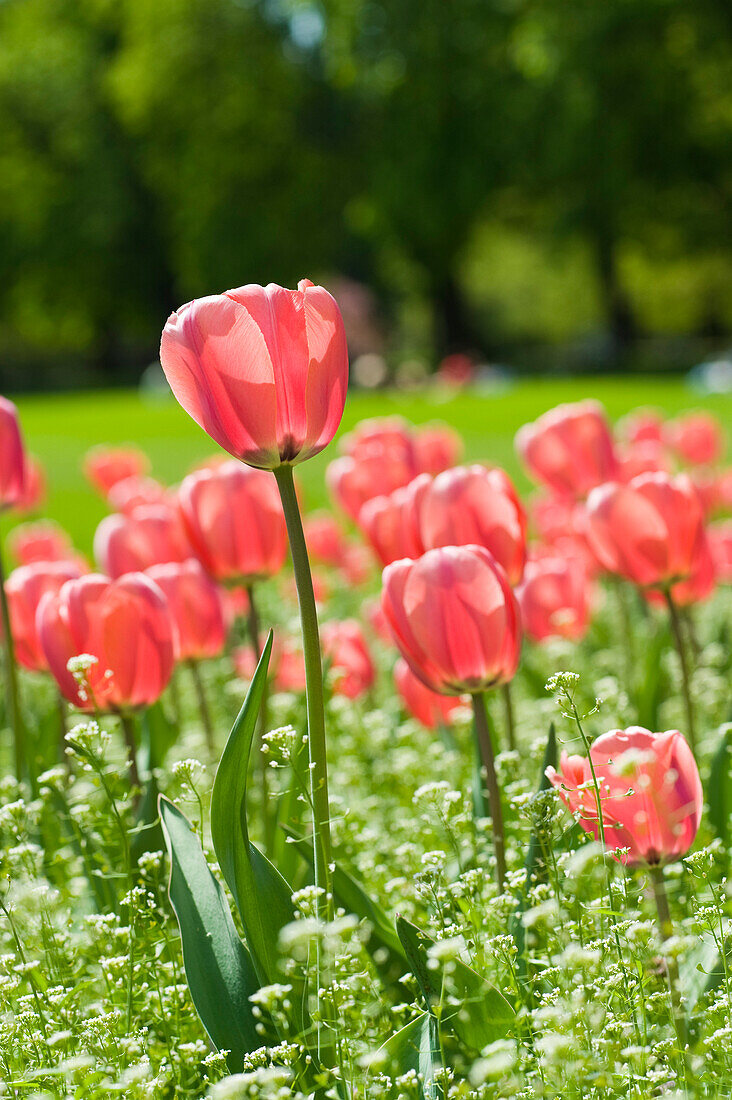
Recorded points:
(476, 1012)
(218, 966)
(262, 896)
(719, 785)
(414, 1048)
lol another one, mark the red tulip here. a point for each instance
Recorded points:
(650, 793)
(720, 544)
(456, 370)
(646, 457)
(642, 426)
(569, 449)
(263, 370)
(40, 541)
(234, 520)
(353, 481)
(471, 505)
(124, 624)
(325, 539)
(562, 526)
(345, 647)
(554, 598)
(428, 707)
(437, 448)
(697, 438)
(195, 605)
(151, 535)
(133, 492)
(12, 458)
(697, 587)
(25, 588)
(389, 438)
(391, 523)
(650, 531)
(455, 619)
(105, 466)
(34, 486)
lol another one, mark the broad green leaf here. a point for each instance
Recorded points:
(218, 967)
(719, 785)
(262, 896)
(649, 689)
(482, 1014)
(415, 1048)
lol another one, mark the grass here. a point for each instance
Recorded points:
(60, 428)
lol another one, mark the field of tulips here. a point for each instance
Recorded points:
(423, 794)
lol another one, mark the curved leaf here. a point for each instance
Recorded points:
(218, 967)
(416, 1048)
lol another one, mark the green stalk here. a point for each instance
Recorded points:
(510, 720)
(255, 639)
(128, 729)
(318, 769)
(485, 748)
(203, 708)
(685, 671)
(17, 725)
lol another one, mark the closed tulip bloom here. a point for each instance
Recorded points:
(124, 624)
(391, 523)
(454, 618)
(352, 481)
(650, 531)
(263, 370)
(352, 668)
(34, 486)
(12, 457)
(561, 524)
(569, 449)
(650, 793)
(472, 505)
(428, 707)
(646, 457)
(390, 438)
(105, 466)
(554, 598)
(325, 539)
(697, 438)
(43, 540)
(151, 535)
(720, 545)
(234, 520)
(642, 426)
(134, 492)
(25, 588)
(196, 607)
(437, 448)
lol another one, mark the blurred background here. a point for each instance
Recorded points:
(542, 184)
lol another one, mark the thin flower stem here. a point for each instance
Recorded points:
(510, 720)
(128, 729)
(485, 748)
(15, 716)
(256, 642)
(685, 671)
(203, 708)
(314, 690)
(672, 971)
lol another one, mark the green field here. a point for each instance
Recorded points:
(59, 429)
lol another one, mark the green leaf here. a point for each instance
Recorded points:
(415, 1048)
(482, 1014)
(719, 785)
(218, 967)
(649, 689)
(262, 896)
(158, 735)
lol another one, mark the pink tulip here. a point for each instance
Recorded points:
(391, 523)
(151, 535)
(697, 587)
(642, 426)
(437, 448)
(454, 618)
(43, 541)
(650, 793)
(263, 370)
(650, 531)
(344, 646)
(554, 598)
(25, 588)
(12, 457)
(569, 449)
(34, 486)
(325, 539)
(124, 624)
(646, 457)
(134, 492)
(105, 466)
(377, 620)
(456, 370)
(472, 505)
(428, 707)
(352, 482)
(234, 520)
(389, 438)
(195, 605)
(697, 438)
(562, 526)
(720, 544)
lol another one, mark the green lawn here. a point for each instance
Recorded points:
(60, 428)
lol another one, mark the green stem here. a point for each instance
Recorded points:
(485, 748)
(14, 714)
(203, 708)
(672, 970)
(685, 671)
(255, 639)
(626, 624)
(128, 729)
(510, 720)
(314, 690)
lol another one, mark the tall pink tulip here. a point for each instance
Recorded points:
(472, 505)
(697, 438)
(12, 456)
(133, 492)
(345, 646)
(150, 535)
(104, 467)
(569, 449)
(196, 607)
(428, 707)
(263, 370)
(234, 521)
(650, 793)
(554, 598)
(26, 586)
(391, 523)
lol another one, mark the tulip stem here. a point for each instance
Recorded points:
(128, 730)
(485, 748)
(510, 720)
(255, 639)
(672, 970)
(11, 679)
(318, 768)
(685, 671)
(203, 707)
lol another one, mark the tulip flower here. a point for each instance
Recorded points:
(561, 524)
(118, 636)
(263, 370)
(325, 539)
(554, 598)
(457, 624)
(720, 544)
(345, 647)
(472, 505)
(133, 492)
(391, 523)
(428, 707)
(437, 447)
(697, 438)
(43, 541)
(151, 535)
(646, 457)
(12, 487)
(642, 426)
(569, 449)
(389, 438)
(352, 482)
(105, 466)
(34, 486)
(25, 587)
